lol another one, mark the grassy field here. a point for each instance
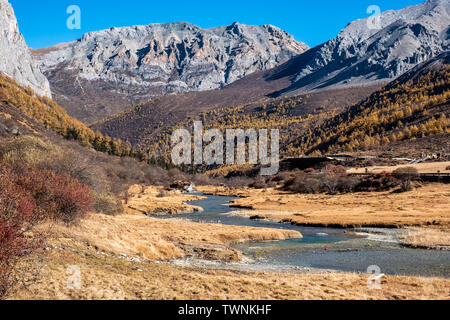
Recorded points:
(115, 277)
(122, 257)
(427, 167)
(423, 206)
(153, 201)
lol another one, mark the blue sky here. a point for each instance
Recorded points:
(43, 23)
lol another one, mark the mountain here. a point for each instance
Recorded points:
(15, 58)
(108, 71)
(335, 66)
(369, 51)
(415, 106)
(22, 112)
(148, 123)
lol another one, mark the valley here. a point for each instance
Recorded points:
(90, 190)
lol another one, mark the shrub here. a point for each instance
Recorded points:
(18, 215)
(379, 182)
(330, 181)
(406, 171)
(163, 193)
(108, 204)
(282, 176)
(29, 196)
(315, 182)
(406, 175)
(61, 197)
(259, 184)
(336, 169)
(29, 150)
(303, 183)
(202, 180)
(348, 183)
(34, 152)
(237, 182)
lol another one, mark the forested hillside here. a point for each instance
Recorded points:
(52, 116)
(414, 106)
(410, 108)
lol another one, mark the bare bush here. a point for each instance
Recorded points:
(348, 183)
(163, 193)
(330, 181)
(406, 175)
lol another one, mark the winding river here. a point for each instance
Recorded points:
(351, 250)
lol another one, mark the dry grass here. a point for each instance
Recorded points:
(427, 205)
(150, 238)
(426, 167)
(157, 201)
(114, 278)
(111, 253)
(427, 238)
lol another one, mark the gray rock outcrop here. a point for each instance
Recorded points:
(375, 49)
(16, 60)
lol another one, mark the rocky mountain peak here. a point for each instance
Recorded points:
(376, 50)
(15, 58)
(156, 59)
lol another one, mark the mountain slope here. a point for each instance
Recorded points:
(365, 52)
(15, 58)
(107, 71)
(148, 123)
(32, 113)
(414, 106)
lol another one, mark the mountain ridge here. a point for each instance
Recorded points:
(367, 52)
(134, 64)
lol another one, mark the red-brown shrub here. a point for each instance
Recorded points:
(60, 196)
(378, 182)
(29, 196)
(18, 214)
(340, 170)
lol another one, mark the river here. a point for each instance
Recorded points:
(352, 250)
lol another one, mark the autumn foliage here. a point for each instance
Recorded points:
(29, 196)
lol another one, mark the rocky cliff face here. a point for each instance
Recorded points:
(371, 50)
(15, 58)
(136, 63)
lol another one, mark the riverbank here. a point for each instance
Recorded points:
(154, 201)
(427, 205)
(138, 257)
(116, 277)
(427, 238)
(146, 238)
